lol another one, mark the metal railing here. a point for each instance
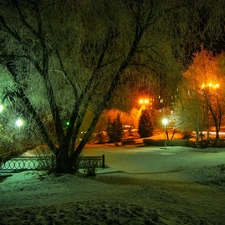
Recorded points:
(48, 163)
(29, 163)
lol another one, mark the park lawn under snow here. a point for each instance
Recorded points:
(141, 185)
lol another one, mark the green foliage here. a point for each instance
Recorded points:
(114, 129)
(145, 126)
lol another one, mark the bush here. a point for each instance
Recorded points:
(151, 142)
(202, 144)
(187, 143)
(217, 143)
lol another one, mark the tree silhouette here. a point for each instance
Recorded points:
(145, 126)
(114, 129)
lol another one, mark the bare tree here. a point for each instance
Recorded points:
(202, 97)
(66, 58)
(190, 113)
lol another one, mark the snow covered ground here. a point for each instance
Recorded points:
(141, 185)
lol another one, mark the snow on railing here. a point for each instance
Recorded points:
(29, 163)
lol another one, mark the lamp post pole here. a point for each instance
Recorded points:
(165, 122)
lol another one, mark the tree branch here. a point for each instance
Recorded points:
(31, 59)
(66, 75)
(23, 19)
(10, 31)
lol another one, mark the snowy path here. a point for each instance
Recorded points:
(133, 159)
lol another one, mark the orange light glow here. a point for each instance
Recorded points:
(216, 86)
(210, 85)
(144, 101)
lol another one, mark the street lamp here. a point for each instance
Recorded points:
(144, 101)
(165, 122)
(19, 123)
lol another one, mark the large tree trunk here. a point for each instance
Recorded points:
(217, 132)
(63, 161)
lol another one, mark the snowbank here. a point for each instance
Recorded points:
(177, 191)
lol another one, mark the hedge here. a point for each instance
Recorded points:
(187, 143)
(180, 142)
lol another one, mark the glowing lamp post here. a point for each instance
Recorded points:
(144, 103)
(19, 123)
(165, 122)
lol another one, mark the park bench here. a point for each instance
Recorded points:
(89, 164)
(85, 162)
